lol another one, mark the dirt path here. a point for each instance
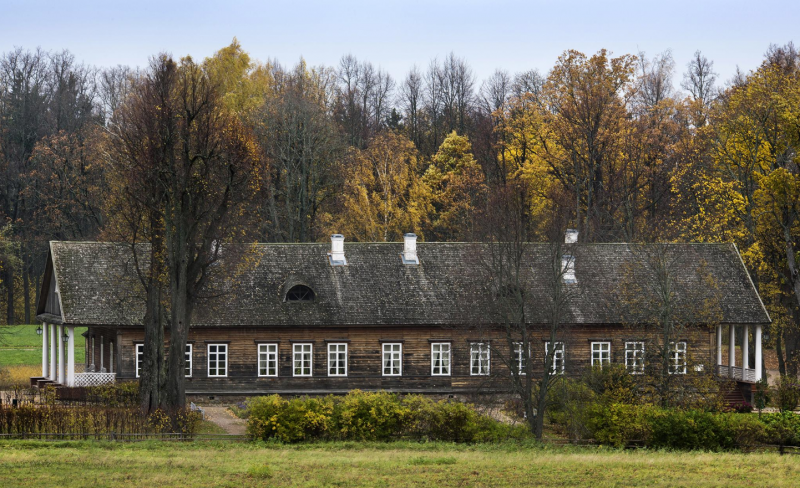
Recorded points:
(225, 419)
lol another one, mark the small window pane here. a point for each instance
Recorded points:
(634, 357)
(267, 360)
(440, 359)
(337, 359)
(678, 358)
(217, 360)
(302, 359)
(392, 359)
(479, 359)
(519, 358)
(139, 358)
(558, 357)
(188, 372)
(601, 353)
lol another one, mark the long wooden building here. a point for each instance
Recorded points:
(406, 317)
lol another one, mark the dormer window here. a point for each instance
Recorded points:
(568, 269)
(300, 293)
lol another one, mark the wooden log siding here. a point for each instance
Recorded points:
(365, 354)
(110, 339)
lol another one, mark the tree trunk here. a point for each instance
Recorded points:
(152, 376)
(180, 319)
(9, 279)
(26, 286)
(779, 351)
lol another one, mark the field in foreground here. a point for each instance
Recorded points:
(401, 464)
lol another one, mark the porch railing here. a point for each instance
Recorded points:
(746, 375)
(94, 379)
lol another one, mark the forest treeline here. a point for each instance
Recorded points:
(622, 148)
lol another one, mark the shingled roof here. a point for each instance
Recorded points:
(97, 285)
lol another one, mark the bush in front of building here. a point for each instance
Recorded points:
(69, 422)
(367, 416)
(620, 424)
(787, 393)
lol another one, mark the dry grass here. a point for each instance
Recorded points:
(18, 375)
(398, 464)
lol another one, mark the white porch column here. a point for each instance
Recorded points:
(61, 376)
(71, 356)
(53, 352)
(745, 348)
(45, 350)
(719, 345)
(758, 352)
(101, 355)
(732, 346)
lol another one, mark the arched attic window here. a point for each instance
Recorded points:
(300, 293)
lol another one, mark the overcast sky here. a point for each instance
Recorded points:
(512, 35)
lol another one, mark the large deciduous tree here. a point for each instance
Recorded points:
(192, 171)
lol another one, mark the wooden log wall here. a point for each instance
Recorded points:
(364, 356)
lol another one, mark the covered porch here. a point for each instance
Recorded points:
(740, 370)
(58, 360)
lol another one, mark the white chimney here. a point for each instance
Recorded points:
(410, 249)
(571, 236)
(336, 255)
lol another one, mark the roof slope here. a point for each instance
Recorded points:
(451, 286)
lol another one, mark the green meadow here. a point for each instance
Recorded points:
(100, 464)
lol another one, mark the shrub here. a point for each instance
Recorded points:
(696, 429)
(289, 420)
(92, 422)
(762, 394)
(371, 416)
(618, 424)
(377, 416)
(122, 394)
(782, 428)
(787, 394)
(570, 400)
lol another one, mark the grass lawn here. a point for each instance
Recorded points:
(20, 345)
(99, 464)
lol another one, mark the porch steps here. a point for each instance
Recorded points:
(734, 397)
(42, 382)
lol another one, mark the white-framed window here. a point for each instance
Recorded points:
(302, 359)
(634, 357)
(139, 358)
(478, 359)
(519, 362)
(440, 359)
(558, 357)
(601, 353)
(267, 360)
(217, 360)
(188, 360)
(392, 359)
(337, 359)
(677, 357)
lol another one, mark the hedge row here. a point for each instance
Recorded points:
(89, 422)
(619, 424)
(373, 417)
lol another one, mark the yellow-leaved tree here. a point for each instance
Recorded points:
(457, 187)
(383, 195)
